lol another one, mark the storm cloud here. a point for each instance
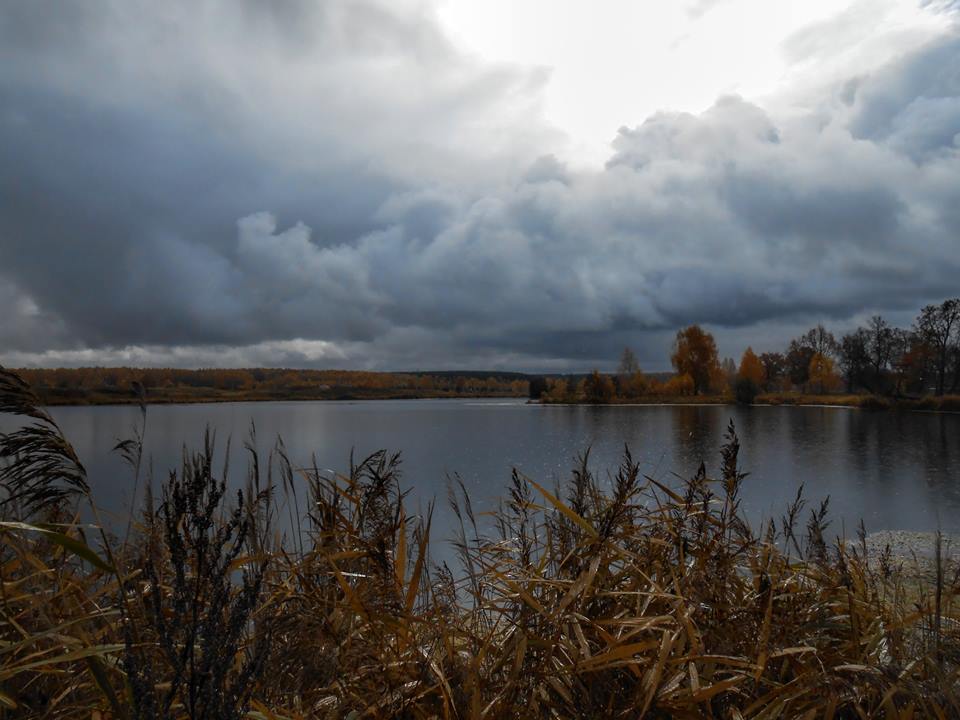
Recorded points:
(336, 184)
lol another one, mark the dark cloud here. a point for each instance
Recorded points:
(333, 183)
(913, 106)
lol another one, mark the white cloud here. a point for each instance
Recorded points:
(286, 353)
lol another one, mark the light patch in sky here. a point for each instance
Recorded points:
(280, 353)
(616, 62)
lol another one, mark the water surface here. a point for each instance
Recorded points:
(897, 471)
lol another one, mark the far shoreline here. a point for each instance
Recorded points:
(945, 404)
(102, 401)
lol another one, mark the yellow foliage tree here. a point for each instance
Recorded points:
(679, 385)
(719, 380)
(557, 391)
(596, 388)
(635, 385)
(822, 375)
(695, 355)
(751, 368)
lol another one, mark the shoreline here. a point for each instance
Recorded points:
(911, 543)
(214, 400)
(866, 402)
(912, 554)
(949, 404)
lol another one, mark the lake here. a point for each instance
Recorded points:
(898, 471)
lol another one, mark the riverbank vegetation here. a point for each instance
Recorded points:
(877, 366)
(317, 595)
(100, 386)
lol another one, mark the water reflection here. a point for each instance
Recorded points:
(896, 470)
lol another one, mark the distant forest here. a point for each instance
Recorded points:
(105, 385)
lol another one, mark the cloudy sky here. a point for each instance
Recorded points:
(514, 184)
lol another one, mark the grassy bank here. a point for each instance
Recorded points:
(947, 403)
(650, 400)
(613, 597)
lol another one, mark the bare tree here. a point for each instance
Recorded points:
(628, 364)
(854, 357)
(880, 346)
(822, 341)
(939, 327)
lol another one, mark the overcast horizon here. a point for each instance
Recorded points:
(521, 186)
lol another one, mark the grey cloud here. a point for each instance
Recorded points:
(26, 326)
(912, 105)
(718, 134)
(125, 225)
(311, 187)
(547, 168)
(945, 6)
(134, 135)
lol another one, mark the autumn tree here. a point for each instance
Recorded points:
(749, 378)
(558, 390)
(907, 363)
(799, 355)
(774, 368)
(597, 388)
(727, 377)
(751, 368)
(821, 374)
(695, 355)
(678, 385)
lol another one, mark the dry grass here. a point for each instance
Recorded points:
(619, 598)
(930, 403)
(945, 403)
(652, 400)
(797, 398)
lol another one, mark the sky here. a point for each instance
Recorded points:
(446, 184)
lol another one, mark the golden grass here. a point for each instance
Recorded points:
(946, 403)
(796, 398)
(618, 598)
(652, 400)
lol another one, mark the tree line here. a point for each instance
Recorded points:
(278, 381)
(879, 359)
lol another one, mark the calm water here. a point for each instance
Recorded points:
(895, 470)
